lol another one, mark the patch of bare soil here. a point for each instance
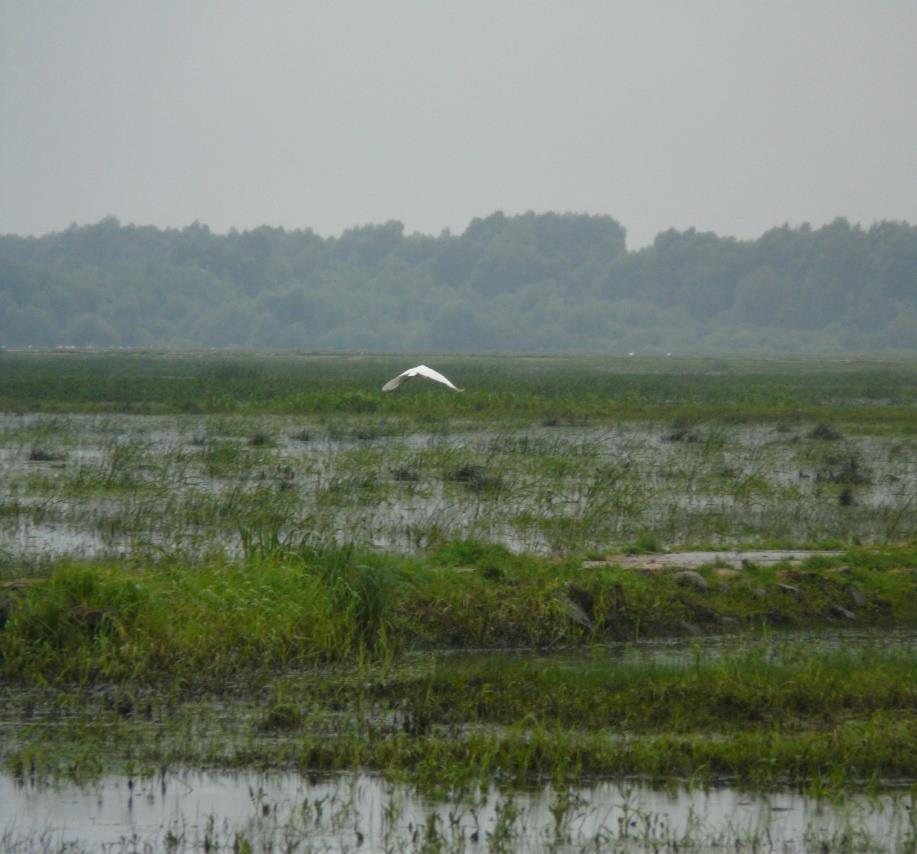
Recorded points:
(693, 560)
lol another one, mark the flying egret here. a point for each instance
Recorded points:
(421, 371)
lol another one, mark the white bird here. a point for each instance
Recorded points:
(421, 371)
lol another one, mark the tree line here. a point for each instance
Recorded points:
(528, 283)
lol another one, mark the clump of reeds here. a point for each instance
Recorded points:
(845, 468)
(825, 433)
(684, 430)
(43, 455)
(406, 474)
(475, 478)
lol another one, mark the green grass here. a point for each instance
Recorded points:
(772, 716)
(790, 689)
(312, 656)
(553, 390)
(300, 602)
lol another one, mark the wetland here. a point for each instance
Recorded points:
(430, 621)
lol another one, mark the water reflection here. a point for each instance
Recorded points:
(204, 810)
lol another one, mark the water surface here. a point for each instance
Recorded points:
(191, 810)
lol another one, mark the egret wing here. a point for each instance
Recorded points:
(392, 384)
(436, 376)
(421, 371)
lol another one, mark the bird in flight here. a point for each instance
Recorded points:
(421, 371)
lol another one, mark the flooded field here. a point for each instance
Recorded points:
(281, 811)
(92, 486)
(126, 770)
(251, 603)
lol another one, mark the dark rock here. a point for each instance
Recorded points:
(40, 455)
(840, 613)
(577, 603)
(582, 598)
(693, 579)
(857, 596)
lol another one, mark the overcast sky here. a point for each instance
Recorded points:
(727, 116)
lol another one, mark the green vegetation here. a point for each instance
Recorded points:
(322, 658)
(552, 391)
(530, 283)
(548, 456)
(264, 562)
(301, 607)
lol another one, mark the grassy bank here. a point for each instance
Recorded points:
(318, 604)
(328, 659)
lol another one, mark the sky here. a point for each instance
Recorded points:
(730, 117)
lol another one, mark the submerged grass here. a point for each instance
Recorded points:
(187, 484)
(792, 691)
(822, 722)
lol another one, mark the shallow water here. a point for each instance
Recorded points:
(123, 484)
(192, 810)
(678, 651)
(189, 809)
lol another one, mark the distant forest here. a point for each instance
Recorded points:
(533, 283)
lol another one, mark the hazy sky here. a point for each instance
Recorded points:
(726, 116)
